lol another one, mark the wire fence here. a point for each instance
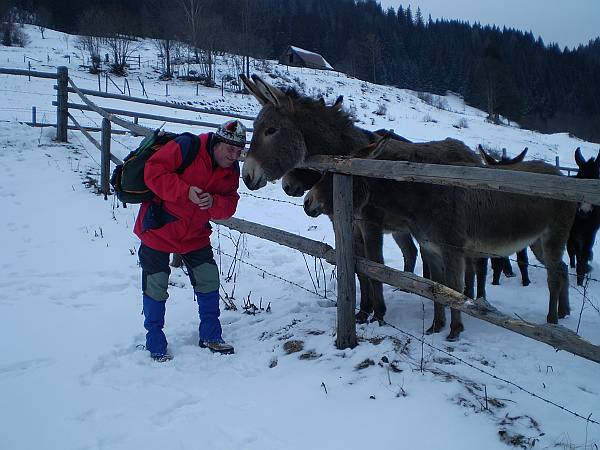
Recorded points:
(421, 340)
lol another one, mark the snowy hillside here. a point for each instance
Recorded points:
(72, 375)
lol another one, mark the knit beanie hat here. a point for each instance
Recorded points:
(232, 132)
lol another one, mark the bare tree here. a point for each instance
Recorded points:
(119, 41)
(42, 19)
(164, 29)
(374, 47)
(192, 12)
(89, 40)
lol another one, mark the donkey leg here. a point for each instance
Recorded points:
(409, 249)
(454, 268)
(373, 244)
(584, 256)
(434, 266)
(550, 254)
(523, 262)
(482, 265)
(507, 269)
(572, 250)
(496, 270)
(366, 304)
(469, 290)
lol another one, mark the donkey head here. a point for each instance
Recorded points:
(297, 181)
(319, 200)
(589, 169)
(277, 142)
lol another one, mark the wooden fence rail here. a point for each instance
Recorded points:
(557, 336)
(525, 183)
(146, 101)
(142, 115)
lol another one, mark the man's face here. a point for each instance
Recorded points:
(226, 154)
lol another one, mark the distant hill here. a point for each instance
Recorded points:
(505, 72)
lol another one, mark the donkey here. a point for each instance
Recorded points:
(502, 265)
(586, 223)
(450, 223)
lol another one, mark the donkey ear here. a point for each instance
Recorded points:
(271, 93)
(374, 150)
(520, 157)
(251, 86)
(338, 103)
(598, 159)
(579, 159)
(487, 158)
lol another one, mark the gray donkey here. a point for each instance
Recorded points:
(453, 224)
(450, 223)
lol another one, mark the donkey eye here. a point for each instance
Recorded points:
(270, 131)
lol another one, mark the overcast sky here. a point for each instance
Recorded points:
(569, 23)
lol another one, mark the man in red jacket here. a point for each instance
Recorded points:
(176, 220)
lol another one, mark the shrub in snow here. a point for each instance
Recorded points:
(461, 123)
(381, 109)
(428, 118)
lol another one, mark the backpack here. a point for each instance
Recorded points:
(127, 179)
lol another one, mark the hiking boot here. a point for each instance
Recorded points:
(161, 358)
(221, 347)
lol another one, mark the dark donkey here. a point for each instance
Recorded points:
(290, 128)
(586, 223)
(502, 265)
(454, 224)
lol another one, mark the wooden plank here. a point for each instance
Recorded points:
(142, 115)
(305, 245)
(85, 133)
(105, 159)
(557, 336)
(31, 73)
(554, 335)
(62, 98)
(69, 127)
(137, 129)
(346, 284)
(146, 101)
(525, 183)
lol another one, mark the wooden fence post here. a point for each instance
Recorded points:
(105, 159)
(62, 98)
(33, 115)
(346, 285)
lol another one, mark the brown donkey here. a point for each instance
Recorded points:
(450, 223)
(454, 224)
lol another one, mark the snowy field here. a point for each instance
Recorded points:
(72, 375)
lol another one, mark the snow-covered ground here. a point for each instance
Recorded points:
(72, 375)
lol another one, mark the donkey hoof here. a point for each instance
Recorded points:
(455, 333)
(509, 275)
(435, 327)
(496, 283)
(563, 313)
(362, 316)
(551, 318)
(526, 282)
(379, 320)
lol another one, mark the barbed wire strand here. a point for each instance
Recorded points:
(445, 352)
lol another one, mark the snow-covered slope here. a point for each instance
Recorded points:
(72, 375)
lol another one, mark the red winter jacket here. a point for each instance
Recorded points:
(170, 222)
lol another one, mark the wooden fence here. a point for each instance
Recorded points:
(347, 264)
